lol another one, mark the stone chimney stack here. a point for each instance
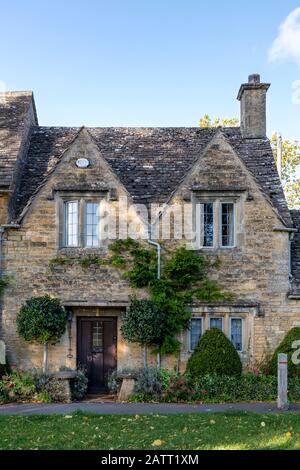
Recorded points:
(252, 96)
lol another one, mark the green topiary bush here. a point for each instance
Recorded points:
(42, 319)
(143, 323)
(214, 354)
(285, 347)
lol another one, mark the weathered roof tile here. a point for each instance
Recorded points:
(150, 162)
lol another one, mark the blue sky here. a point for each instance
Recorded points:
(148, 62)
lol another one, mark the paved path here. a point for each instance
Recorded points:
(136, 408)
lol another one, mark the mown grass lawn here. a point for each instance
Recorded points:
(153, 431)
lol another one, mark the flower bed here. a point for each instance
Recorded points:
(39, 387)
(163, 386)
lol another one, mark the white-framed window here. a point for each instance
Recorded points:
(232, 326)
(236, 333)
(227, 224)
(215, 223)
(71, 213)
(81, 223)
(195, 332)
(92, 224)
(207, 224)
(216, 322)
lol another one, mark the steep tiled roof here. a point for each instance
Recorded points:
(258, 157)
(17, 115)
(150, 162)
(295, 249)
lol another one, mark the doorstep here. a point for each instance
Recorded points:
(101, 398)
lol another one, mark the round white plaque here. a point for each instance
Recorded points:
(82, 163)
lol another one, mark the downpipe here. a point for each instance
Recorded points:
(158, 250)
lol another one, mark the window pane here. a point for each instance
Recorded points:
(207, 223)
(195, 332)
(97, 334)
(216, 323)
(227, 224)
(71, 223)
(92, 221)
(237, 333)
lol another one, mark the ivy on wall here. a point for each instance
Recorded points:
(184, 277)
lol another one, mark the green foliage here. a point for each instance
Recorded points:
(290, 168)
(152, 381)
(40, 386)
(285, 347)
(114, 381)
(185, 268)
(143, 323)
(89, 260)
(42, 319)
(144, 268)
(121, 246)
(118, 261)
(59, 260)
(79, 384)
(17, 386)
(210, 291)
(48, 387)
(206, 121)
(214, 388)
(214, 354)
(183, 275)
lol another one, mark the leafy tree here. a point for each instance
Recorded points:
(290, 158)
(206, 121)
(42, 319)
(290, 169)
(214, 354)
(143, 323)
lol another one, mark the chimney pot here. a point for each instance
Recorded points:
(254, 79)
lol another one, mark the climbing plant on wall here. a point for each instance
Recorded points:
(184, 276)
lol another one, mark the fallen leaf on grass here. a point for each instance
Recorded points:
(157, 443)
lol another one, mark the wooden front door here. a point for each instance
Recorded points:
(97, 349)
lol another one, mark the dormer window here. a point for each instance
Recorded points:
(215, 222)
(80, 223)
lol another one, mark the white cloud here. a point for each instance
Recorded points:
(287, 43)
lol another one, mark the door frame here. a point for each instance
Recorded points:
(113, 318)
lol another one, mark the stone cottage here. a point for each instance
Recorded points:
(222, 181)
